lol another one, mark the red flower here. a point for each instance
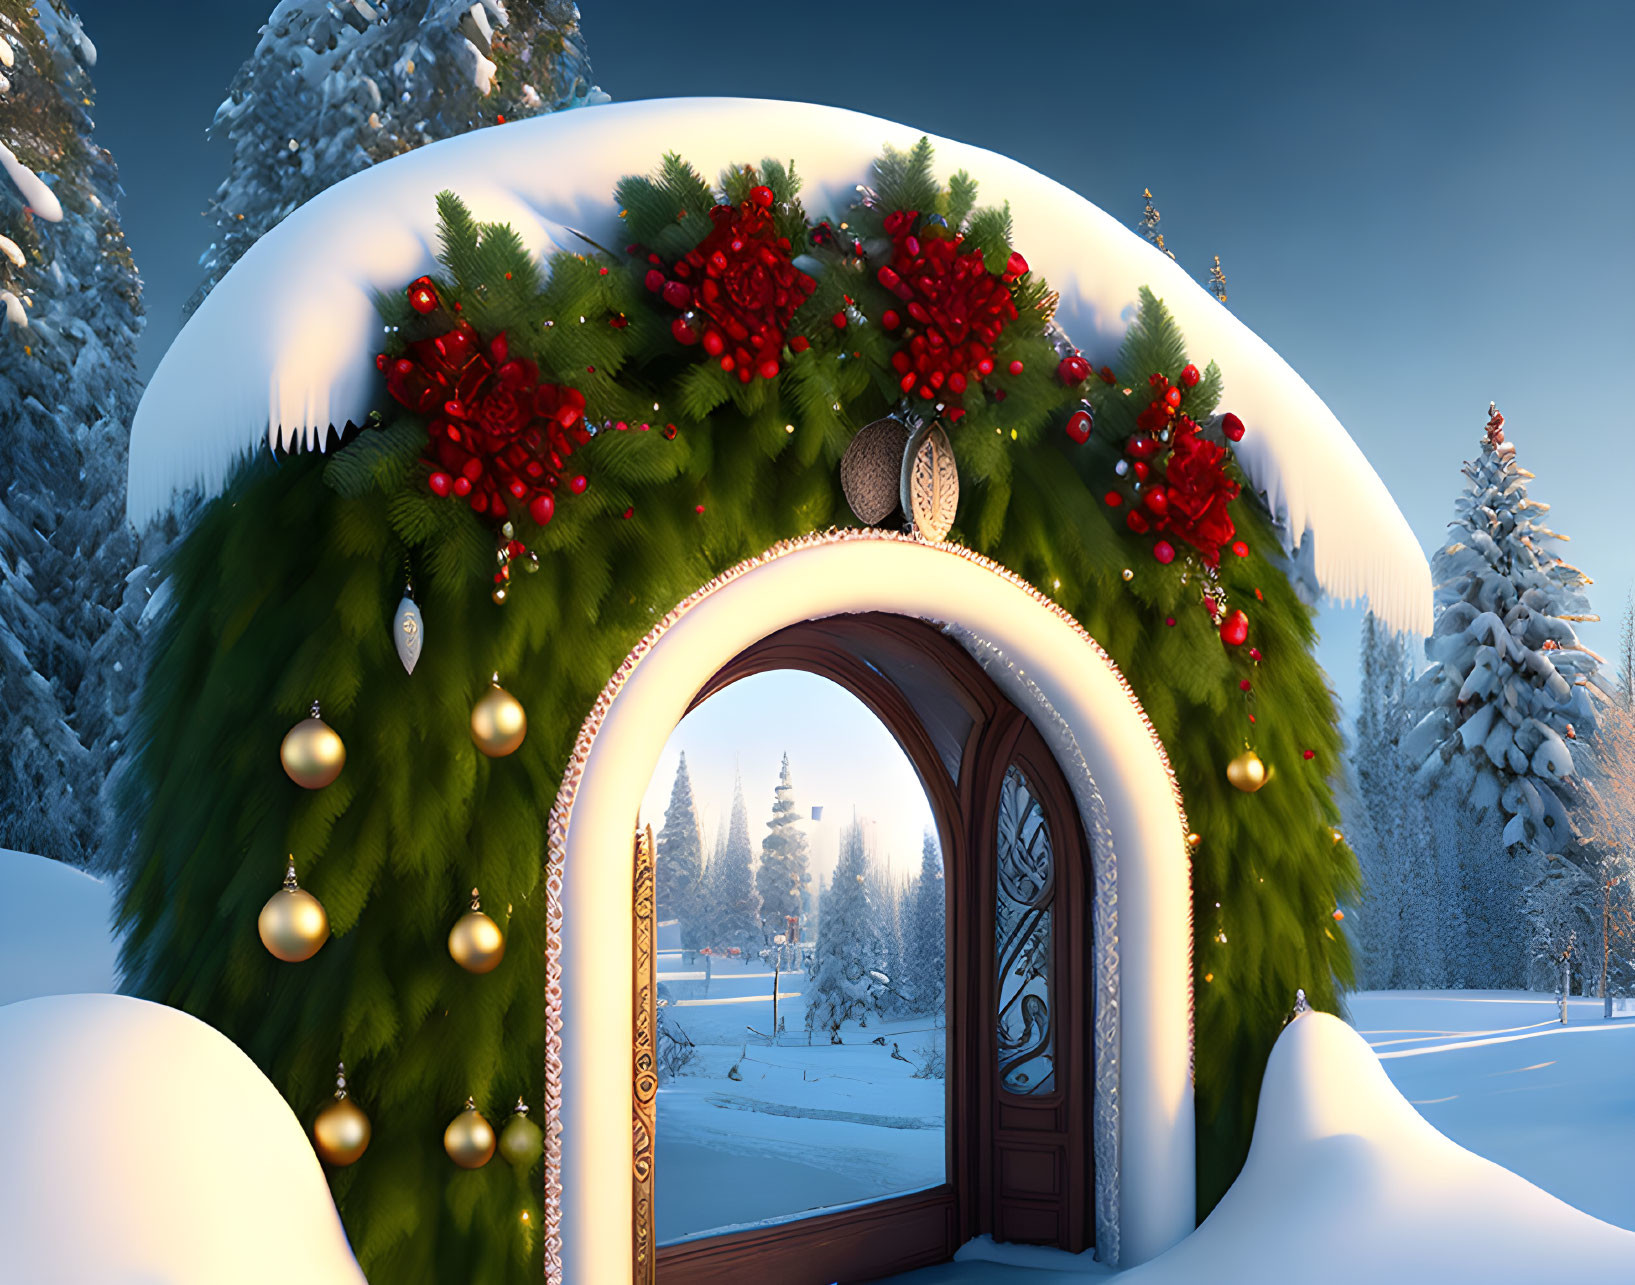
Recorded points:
(1198, 491)
(956, 308)
(491, 423)
(740, 286)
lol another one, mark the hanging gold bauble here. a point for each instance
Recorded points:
(476, 941)
(498, 721)
(469, 1139)
(522, 1142)
(1247, 772)
(312, 753)
(1335, 834)
(341, 1132)
(293, 924)
(1194, 840)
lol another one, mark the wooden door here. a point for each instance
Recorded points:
(1028, 1015)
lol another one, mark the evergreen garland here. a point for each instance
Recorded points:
(284, 592)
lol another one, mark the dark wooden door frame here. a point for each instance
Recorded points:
(900, 1233)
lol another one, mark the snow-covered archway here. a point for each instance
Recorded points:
(588, 1051)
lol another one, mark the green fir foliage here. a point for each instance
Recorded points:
(284, 594)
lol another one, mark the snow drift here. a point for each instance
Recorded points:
(142, 1147)
(1347, 1183)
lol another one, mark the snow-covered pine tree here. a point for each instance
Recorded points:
(886, 900)
(1372, 806)
(842, 985)
(1626, 653)
(734, 905)
(926, 945)
(336, 85)
(71, 592)
(1508, 687)
(1605, 818)
(783, 876)
(678, 871)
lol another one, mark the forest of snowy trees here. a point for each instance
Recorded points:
(872, 944)
(1492, 795)
(329, 89)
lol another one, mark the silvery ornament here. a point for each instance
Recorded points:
(929, 482)
(408, 632)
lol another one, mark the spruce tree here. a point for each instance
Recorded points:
(678, 871)
(843, 982)
(735, 906)
(782, 877)
(71, 590)
(926, 945)
(335, 86)
(1508, 691)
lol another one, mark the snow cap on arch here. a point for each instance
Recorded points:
(284, 344)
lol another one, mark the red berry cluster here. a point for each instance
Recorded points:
(496, 435)
(954, 308)
(1180, 477)
(737, 288)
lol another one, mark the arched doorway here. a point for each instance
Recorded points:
(1090, 726)
(1019, 1013)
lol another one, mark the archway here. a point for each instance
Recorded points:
(1052, 670)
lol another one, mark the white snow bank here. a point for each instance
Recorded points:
(284, 345)
(1346, 1182)
(142, 1147)
(54, 930)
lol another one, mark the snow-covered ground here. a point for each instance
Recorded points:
(802, 1126)
(1348, 1180)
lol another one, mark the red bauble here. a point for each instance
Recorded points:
(423, 295)
(1232, 426)
(578, 484)
(1016, 368)
(1189, 376)
(1114, 499)
(1074, 369)
(1235, 629)
(1079, 424)
(1157, 501)
(542, 509)
(800, 343)
(762, 196)
(1240, 548)
(1308, 755)
(890, 320)
(683, 333)
(462, 485)
(1172, 396)
(1244, 684)
(1136, 520)
(1164, 551)
(440, 482)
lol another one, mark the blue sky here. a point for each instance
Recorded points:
(1421, 206)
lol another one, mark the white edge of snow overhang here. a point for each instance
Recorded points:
(284, 345)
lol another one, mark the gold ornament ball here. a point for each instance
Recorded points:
(312, 754)
(522, 1142)
(469, 1139)
(293, 924)
(1336, 835)
(1194, 839)
(1246, 772)
(498, 721)
(341, 1132)
(475, 941)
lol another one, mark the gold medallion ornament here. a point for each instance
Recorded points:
(929, 484)
(1246, 771)
(293, 924)
(498, 721)
(522, 1142)
(340, 1134)
(469, 1139)
(475, 941)
(312, 753)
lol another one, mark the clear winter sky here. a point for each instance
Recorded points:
(1420, 206)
